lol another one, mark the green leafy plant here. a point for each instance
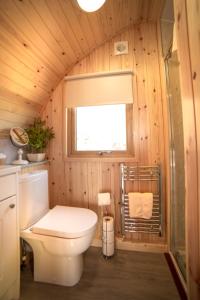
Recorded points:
(39, 135)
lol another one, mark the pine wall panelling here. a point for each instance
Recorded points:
(77, 181)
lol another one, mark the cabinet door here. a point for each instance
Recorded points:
(8, 244)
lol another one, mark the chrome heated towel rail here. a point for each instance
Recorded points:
(135, 178)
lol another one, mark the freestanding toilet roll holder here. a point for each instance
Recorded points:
(107, 226)
(108, 247)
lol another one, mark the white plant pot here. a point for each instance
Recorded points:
(36, 157)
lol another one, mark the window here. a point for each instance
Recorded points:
(104, 129)
(101, 128)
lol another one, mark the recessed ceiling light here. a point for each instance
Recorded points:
(90, 5)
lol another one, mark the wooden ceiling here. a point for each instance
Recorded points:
(40, 40)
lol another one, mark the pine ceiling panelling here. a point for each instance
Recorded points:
(26, 56)
(17, 99)
(40, 41)
(50, 31)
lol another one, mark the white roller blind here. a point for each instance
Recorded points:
(98, 89)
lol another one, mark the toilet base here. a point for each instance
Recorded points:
(57, 260)
(64, 271)
(52, 266)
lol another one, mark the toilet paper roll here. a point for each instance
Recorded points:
(108, 249)
(108, 236)
(108, 223)
(103, 199)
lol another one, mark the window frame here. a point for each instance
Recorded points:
(71, 137)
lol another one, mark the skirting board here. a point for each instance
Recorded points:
(130, 246)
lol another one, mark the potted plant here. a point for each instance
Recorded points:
(39, 137)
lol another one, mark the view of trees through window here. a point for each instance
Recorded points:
(101, 128)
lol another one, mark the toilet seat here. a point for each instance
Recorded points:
(66, 222)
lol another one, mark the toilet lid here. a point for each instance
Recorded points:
(66, 222)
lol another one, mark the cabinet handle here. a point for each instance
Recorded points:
(12, 205)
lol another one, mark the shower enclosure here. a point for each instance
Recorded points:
(177, 201)
(177, 243)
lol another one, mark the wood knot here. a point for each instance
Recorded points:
(194, 76)
(178, 16)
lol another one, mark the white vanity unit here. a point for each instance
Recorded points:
(9, 233)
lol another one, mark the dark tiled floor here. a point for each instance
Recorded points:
(127, 276)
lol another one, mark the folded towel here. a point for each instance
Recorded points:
(140, 205)
(135, 205)
(147, 200)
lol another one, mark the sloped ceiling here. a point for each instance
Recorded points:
(40, 40)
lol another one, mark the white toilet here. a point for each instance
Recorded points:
(58, 236)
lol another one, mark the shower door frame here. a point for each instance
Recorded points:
(172, 175)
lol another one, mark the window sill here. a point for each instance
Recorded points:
(100, 159)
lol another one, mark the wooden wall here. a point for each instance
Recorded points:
(187, 22)
(15, 112)
(77, 181)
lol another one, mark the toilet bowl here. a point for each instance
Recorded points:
(58, 236)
